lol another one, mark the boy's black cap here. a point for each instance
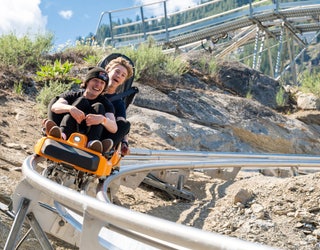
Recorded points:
(97, 72)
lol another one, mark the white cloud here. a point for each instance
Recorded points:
(171, 5)
(21, 17)
(66, 14)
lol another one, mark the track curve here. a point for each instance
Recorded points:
(91, 223)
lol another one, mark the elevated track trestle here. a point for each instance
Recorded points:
(288, 27)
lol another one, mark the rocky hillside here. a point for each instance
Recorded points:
(213, 114)
(202, 113)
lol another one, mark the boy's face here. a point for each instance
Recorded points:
(95, 87)
(117, 75)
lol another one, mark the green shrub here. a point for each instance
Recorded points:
(208, 66)
(310, 83)
(146, 59)
(249, 95)
(18, 87)
(24, 52)
(280, 100)
(175, 66)
(92, 60)
(56, 72)
(149, 59)
(48, 92)
(83, 52)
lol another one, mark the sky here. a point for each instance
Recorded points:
(69, 19)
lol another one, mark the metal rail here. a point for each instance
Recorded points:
(92, 224)
(138, 153)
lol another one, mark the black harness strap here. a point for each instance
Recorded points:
(132, 90)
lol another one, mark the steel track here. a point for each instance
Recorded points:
(92, 224)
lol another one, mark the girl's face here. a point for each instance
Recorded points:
(117, 75)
